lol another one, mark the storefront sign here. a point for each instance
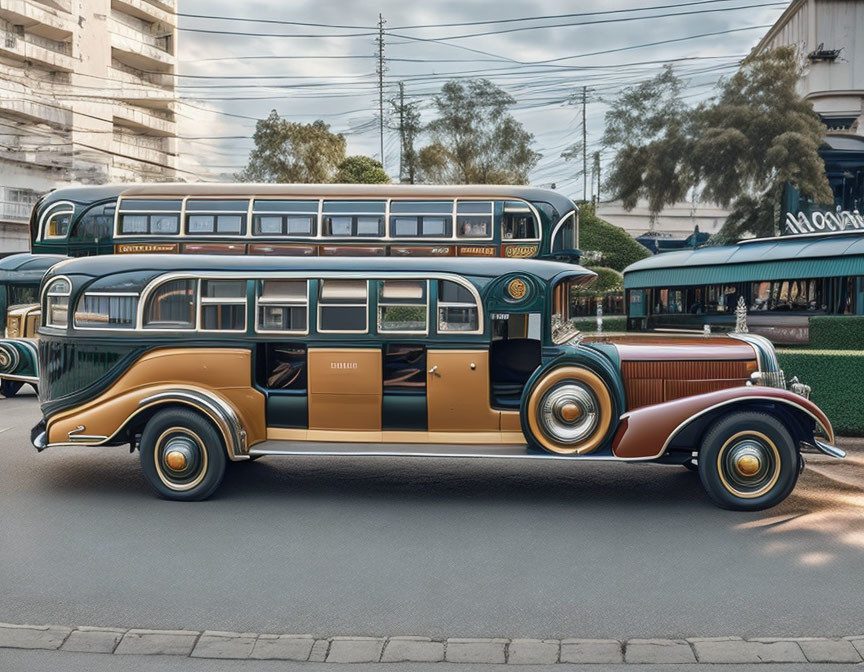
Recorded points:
(824, 222)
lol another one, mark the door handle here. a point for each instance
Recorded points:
(434, 371)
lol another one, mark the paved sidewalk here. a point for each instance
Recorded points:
(218, 645)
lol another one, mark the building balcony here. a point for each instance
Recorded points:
(146, 11)
(38, 19)
(40, 51)
(126, 149)
(138, 49)
(24, 106)
(56, 157)
(16, 213)
(142, 120)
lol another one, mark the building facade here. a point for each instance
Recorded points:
(87, 95)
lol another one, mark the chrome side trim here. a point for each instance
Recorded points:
(26, 379)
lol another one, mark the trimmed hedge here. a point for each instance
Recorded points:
(836, 378)
(617, 247)
(837, 332)
(588, 325)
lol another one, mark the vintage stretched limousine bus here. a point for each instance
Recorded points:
(20, 275)
(201, 361)
(307, 220)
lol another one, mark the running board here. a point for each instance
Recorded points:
(274, 447)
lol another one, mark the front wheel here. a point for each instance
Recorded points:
(182, 455)
(9, 388)
(748, 462)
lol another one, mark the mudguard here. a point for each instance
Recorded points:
(646, 433)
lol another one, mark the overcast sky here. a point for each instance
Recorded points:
(236, 70)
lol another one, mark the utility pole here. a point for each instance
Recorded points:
(597, 173)
(401, 128)
(584, 144)
(381, 84)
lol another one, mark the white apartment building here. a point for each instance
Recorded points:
(86, 96)
(829, 37)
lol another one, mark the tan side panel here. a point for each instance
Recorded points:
(222, 371)
(345, 387)
(458, 395)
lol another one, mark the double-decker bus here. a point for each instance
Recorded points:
(307, 220)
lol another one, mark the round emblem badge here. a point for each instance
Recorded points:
(517, 288)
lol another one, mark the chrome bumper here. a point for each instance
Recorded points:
(824, 448)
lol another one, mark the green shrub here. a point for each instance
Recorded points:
(612, 323)
(837, 332)
(835, 376)
(607, 280)
(616, 247)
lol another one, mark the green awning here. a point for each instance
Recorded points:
(769, 259)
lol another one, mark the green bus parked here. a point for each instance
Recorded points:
(307, 220)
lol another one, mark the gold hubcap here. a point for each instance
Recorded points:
(571, 412)
(748, 465)
(175, 460)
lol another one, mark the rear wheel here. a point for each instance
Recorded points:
(182, 455)
(748, 462)
(9, 388)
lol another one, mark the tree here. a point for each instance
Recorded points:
(738, 150)
(604, 244)
(287, 151)
(361, 170)
(474, 138)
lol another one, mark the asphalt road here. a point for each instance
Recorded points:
(389, 546)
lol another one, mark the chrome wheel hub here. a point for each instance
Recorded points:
(749, 466)
(181, 461)
(569, 412)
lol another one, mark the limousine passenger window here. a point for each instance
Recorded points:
(283, 306)
(353, 218)
(518, 222)
(284, 366)
(223, 305)
(457, 309)
(216, 216)
(57, 303)
(402, 306)
(474, 219)
(342, 306)
(292, 218)
(419, 219)
(145, 216)
(172, 306)
(110, 311)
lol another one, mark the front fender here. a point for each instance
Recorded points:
(19, 360)
(646, 433)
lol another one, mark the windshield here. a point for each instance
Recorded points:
(565, 235)
(563, 309)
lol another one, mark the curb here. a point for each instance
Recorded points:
(215, 644)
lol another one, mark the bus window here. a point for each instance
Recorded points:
(347, 219)
(457, 308)
(172, 306)
(156, 216)
(402, 306)
(97, 223)
(474, 219)
(211, 216)
(283, 306)
(342, 306)
(565, 234)
(58, 220)
(518, 222)
(223, 305)
(292, 218)
(421, 219)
